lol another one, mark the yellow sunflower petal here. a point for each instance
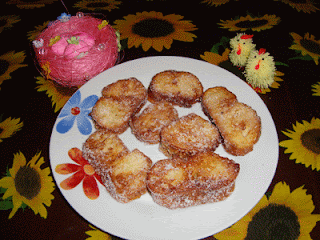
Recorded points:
(37, 207)
(96, 234)
(10, 126)
(148, 43)
(309, 222)
(287, 144)
(7, 182)
(280, 193)
(19, 160)
(300, 202)
(35, 158)
(228, 234)
(17, 202)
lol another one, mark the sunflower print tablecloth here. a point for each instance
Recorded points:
(31, 204)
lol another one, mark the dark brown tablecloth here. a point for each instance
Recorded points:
(32, 205)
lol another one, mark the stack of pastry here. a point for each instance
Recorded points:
(192, 173)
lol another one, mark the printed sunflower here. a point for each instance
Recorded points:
(251, 23)
(8, 21)
(59, 94)
(9, 127)
(81, 171)
(306, 6)
(97, 5)
(316, 89)
(28, 184)
(304, 143)
(77, 111)
(215, 2)
(32, 35)
(153, 29)
(31, 4)
(307, 45)
(96, 234)
(10, 62)
(284, 215)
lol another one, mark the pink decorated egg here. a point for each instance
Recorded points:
(72, 50)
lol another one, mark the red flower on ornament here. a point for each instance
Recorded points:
(84, 171)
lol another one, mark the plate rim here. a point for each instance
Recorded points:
(155, 58)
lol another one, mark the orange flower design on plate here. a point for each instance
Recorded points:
(81, 171)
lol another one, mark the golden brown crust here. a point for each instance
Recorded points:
(146, 126)
(101, 148)
(238, 123)
(130, 88)
(126, 177)
(119, 101)
(177, 87)
(188, 135)
(203, 178)
(113, 114)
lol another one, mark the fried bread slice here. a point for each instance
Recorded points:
(146, 126)
(202, 178)
(113, 114)
(101, 148)
(126, 177)
(177, 87)
(130, 88)
(238, 123)
(188, 135)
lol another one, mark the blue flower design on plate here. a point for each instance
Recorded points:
(78, 111)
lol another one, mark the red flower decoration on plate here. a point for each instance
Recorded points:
(84, 171)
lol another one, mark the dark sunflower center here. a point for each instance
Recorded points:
(274, 222)
(311, 46)
(252, 24)
(97, 5)
(311, 140)
(4, 65)
(27, 182)
(153, 28)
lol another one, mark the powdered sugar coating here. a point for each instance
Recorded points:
(177, 87)
(127, 183)
(238, 123)
(189, 135)
(146, 126)
(101, 148)
(204, 178)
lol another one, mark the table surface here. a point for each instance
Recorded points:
(201, 30)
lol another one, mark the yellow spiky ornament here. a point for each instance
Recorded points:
(241, 47)
(260, 69)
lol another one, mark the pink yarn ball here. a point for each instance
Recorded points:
(73, 52)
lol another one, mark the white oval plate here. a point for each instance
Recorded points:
(142, 218)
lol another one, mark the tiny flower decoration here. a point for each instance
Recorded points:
(64, 17)
(75, 110)
(84, 171)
